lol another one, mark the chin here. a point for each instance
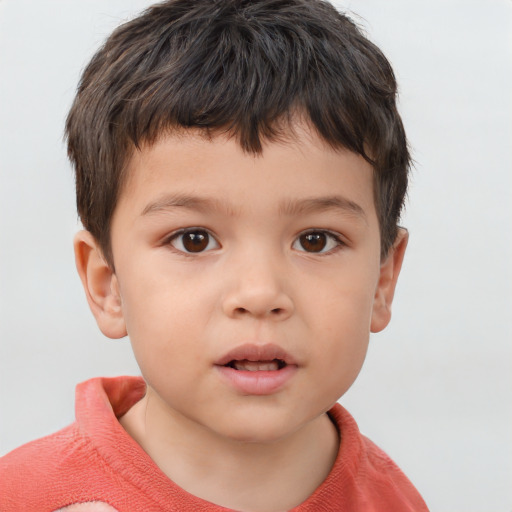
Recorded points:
(259, 429)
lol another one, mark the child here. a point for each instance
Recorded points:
(240, 172)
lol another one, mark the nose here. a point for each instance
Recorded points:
(257, 290)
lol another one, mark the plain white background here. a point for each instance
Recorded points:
(436, 390)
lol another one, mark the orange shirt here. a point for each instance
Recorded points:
(93, 465)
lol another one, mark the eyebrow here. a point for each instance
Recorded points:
(184, 201)
(320, 204)
(290, 208)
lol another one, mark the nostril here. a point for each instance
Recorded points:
(258, 310)
(273, 312)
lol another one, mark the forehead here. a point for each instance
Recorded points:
(191, 165)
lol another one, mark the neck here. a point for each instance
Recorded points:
(281, 474)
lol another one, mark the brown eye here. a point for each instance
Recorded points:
(316, 242)
(313, 242)
(194, 241)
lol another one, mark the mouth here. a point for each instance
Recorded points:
(253, 358)
(257, 369)
(246, 365)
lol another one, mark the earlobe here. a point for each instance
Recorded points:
(100, 285)
(389, 271)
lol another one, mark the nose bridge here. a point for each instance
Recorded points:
(257, 285)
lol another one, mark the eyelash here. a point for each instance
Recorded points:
(334, 238)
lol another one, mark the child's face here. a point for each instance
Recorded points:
(223, 256)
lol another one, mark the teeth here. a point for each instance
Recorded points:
(256, 366)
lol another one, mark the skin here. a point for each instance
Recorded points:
(93, 506)
(256, 282)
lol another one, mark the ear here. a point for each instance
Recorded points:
(100, 285)
(389, 271)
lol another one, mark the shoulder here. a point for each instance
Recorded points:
(55, 462)
(42, 456)
(387, 481)
(369, 475)
(90, 466)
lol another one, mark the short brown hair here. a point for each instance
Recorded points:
(239, 66)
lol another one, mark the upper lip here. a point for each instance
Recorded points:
(255, 352)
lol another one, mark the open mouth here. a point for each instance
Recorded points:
(256, 366)
(253, 369)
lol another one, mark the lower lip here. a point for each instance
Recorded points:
(258, 382)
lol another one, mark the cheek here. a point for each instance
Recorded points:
(340, 357)
(343, 304)
(342, 325)
(161, 321)
(344, 341)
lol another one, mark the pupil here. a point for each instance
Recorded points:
(195, 241)
(313, 242)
